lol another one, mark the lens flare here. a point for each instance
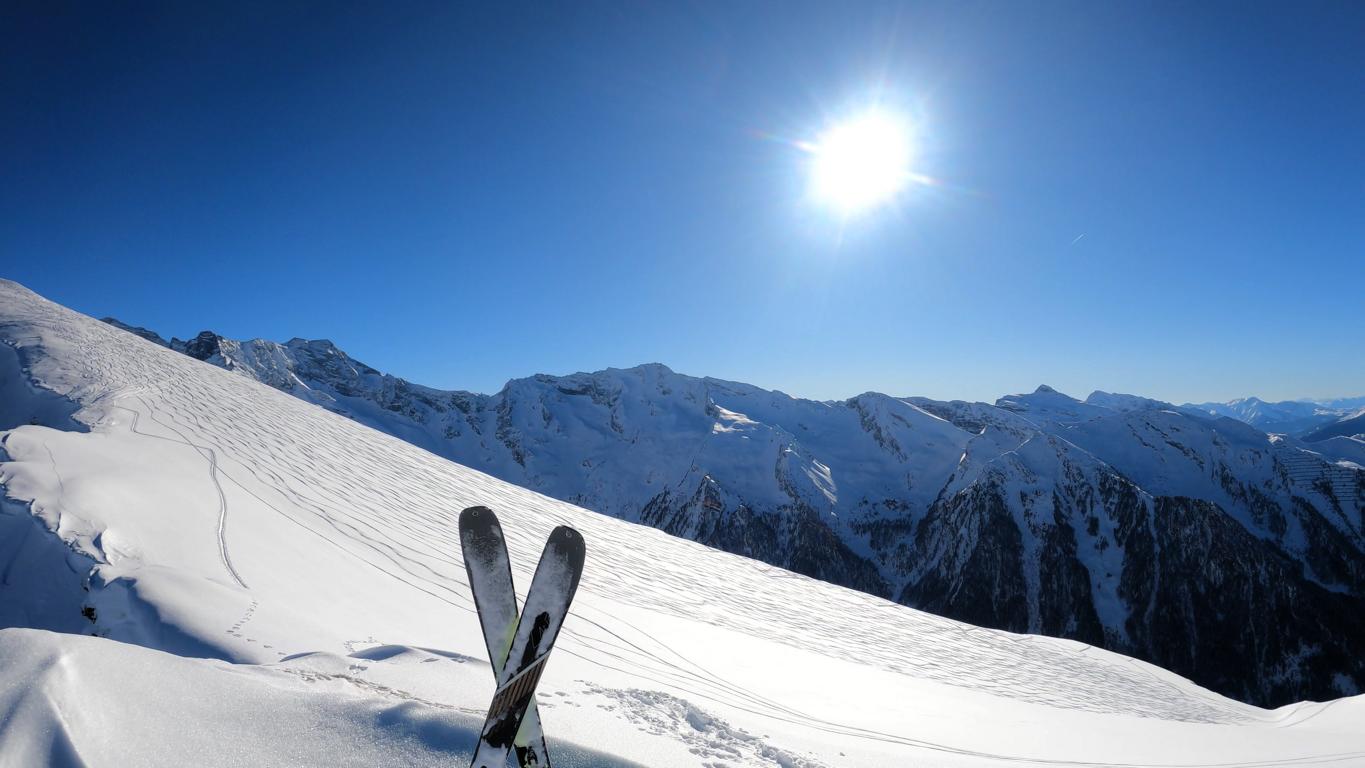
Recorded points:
(862, 162)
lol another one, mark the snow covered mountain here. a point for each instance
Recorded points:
(293, 580)
(1291, 417)
(1199, 543)
(1311, 421)
(1351, 425)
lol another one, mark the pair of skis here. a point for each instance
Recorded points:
(518, 644)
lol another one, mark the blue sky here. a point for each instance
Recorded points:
(463, 193)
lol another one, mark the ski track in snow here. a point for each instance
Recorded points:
(394, 506)
(420, 548)
(208, 453)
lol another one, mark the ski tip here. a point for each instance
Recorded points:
(567, 538)
(565, 533)
(473, 514)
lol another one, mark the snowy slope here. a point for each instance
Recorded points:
(314, 556)
(1294, 417)
(1124, 403)
(1046, 406)
(1350, 425)
(1086, 513)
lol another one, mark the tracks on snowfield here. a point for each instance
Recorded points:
(416, 554)
(212, 456)
(409, 536)
(391, 507)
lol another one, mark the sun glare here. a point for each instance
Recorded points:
(862, 162)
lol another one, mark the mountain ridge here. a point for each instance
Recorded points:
(317, 559)
(1038, 513)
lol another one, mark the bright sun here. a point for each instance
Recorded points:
(862, 162)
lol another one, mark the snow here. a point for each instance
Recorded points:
(72, 700)
(1178, 456)
(277, 584)
(1298, 417)
(688, 454)
(1121, 402)
(1046, 406)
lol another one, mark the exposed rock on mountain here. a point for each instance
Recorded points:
(1199, 542)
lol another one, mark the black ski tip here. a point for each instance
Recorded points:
(479, 521)
(479, 529)
(471, 514)
(568, 540)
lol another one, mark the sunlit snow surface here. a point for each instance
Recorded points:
(317, 559)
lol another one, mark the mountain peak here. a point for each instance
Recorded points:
(658, 369)
(1047, 405)
(325, 345)
(1043, 393)
(1124, 403)
(201, 347)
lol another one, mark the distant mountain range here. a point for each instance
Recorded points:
(1184, 535)
(1311, 420)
